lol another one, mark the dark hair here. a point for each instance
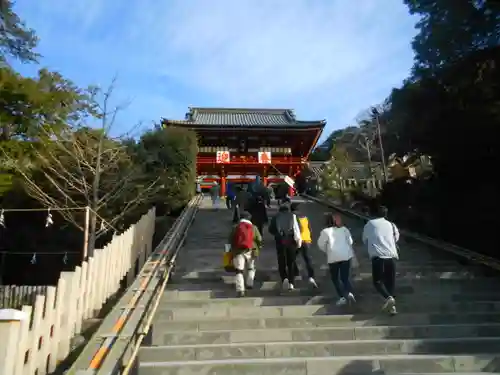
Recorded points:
(333, 220)
(329, 219)
(284, 208)
(294, 206)
(381, 211)
(246, 215)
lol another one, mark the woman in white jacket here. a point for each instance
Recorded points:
(336, 241)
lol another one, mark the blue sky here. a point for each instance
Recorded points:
(327, 59)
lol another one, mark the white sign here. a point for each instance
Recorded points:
(265, 157)
(289, 181)
(222, 157)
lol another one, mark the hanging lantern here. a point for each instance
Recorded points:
(48, 220)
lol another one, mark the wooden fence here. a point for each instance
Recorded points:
(36, 344)
(16, 296)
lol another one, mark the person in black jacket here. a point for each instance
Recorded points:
(286, 231)
(257, 203)
(257, 208)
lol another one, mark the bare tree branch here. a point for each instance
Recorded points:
(84, 166)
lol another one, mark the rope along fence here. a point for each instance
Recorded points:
(37, 340)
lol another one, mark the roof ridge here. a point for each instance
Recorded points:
(251, 117)
(242, 109)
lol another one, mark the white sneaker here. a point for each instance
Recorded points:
(393, 311)
(313, 283)
(291, 287)
(389, 303)
(341, 302)
(351, 298)
(286, 284)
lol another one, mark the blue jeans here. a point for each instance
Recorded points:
(340, 275)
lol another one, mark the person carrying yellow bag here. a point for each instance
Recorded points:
(305, 234)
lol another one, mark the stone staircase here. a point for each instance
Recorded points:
(448, 317)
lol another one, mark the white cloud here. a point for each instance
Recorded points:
(327, 58)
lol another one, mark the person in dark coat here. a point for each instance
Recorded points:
(240, 203)
(230, 195)
(257, 208)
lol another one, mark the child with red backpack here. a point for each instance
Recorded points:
(246, 242)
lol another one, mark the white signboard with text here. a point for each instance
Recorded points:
(222, 157)
(264, 157)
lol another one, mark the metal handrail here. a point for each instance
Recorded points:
(142, 295)
(457, 250)
(148, 324)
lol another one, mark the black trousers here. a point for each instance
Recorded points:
(229, 203)
(341, 278)
(384, 276)
(236, 213)
(260, 226)
(286, 261)
(304, 251)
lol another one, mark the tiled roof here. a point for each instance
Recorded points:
(243, 117)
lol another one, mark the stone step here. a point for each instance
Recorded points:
(364, 270)
(217, 274)
(381, 364)
(321, 277)
(207, 295)
(463, 285)
(326, 334)
(273, 288)
(212, 247)
(221, 311)
(289, 299)
(446, 309)
(450, 346)
(346, 320)
(216, 260)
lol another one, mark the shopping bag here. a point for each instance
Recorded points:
(227, 260)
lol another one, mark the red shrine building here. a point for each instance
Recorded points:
(237, 145)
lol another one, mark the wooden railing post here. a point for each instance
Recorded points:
(10, 330)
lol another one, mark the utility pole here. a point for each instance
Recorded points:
(366, 145)
(379, 135)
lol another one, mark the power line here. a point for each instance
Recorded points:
(40, 253)
(42, 209)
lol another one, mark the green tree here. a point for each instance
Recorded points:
(331, 179)
(31, 106)
(16, 39)
(31, 110)
(170, 153)
(450, 30)
(452, 116)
